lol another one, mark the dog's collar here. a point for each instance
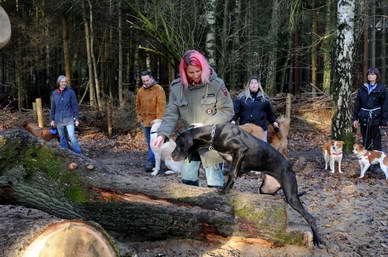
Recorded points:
(212, 133)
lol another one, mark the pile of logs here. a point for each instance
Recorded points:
(36, 174)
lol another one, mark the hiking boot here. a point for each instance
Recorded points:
(149, 167)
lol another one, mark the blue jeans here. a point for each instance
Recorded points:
(71, 133)
(214, 174)
(150, 154)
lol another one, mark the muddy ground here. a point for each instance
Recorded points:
(351, 213)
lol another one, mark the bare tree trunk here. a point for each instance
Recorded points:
(273, 38)
(120, 82)
(345, 47)
(365, 38)
(136, 65)
(236, 52)
(314, 52)
(327, 47)
(66, 49)
(224, 56)
(211, 34)
(94, 62)
(92, 95)
(373, 34)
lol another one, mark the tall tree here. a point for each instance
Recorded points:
(66, 48)
(345, 47)
(314, 47)
(273, 39)
(328, 46)
(120, 82)
(211, 33)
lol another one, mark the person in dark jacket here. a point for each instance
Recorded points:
(371, 110)
(64, 113)
(253, 106)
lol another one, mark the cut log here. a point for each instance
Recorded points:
(32, 233)
(36, 176)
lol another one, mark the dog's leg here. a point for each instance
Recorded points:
(363, 169)
(290, 189)
(384, 169)
(235, 169)
(270, 185)
(332, 160)
(326, 157)
(158, 159)
(339, 165)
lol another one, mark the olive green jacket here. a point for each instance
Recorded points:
(207, 104)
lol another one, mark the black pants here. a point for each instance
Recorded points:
(372, 140)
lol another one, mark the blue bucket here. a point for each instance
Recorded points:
(53, 131)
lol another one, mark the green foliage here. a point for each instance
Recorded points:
(40, 159)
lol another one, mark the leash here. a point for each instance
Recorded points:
(367, 136)
(212, 133)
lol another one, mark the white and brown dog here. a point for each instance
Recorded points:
(164, 152)
(332, 152)
(368, 157)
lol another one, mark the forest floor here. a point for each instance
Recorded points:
(351, 213)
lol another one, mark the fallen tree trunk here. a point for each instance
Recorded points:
(32, 233)
(35, 174)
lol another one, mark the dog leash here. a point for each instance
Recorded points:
(212, 133)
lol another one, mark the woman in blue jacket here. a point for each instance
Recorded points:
(253, 106)
(64, 113)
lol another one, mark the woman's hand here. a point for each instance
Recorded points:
(76, 123)
(52, 124)
(159, 141)
(356, 124)
(276, 125)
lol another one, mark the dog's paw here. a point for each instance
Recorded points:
(169, 172)
(155, 172)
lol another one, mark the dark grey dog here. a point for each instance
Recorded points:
(246, 152)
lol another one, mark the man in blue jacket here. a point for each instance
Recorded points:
(64, 113)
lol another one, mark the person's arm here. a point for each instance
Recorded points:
(271, 117)
(138, 106)
(52, 111)
(356, 110)
(160, 103)
(224, 106)
(236, 107)
(74, 106)
(384, 107)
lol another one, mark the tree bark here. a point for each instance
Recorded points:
(327, 47)
(92, 95)
(273, 38)
(66, 49)
(135, 207)
(29, 232)
(341, 121)
(211, 34)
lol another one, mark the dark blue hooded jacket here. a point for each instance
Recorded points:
(64, 106)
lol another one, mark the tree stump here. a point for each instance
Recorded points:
(34, 173)
(32, 233)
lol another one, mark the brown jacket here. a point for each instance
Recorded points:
(150, 104)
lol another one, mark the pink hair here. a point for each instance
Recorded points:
(195, 58)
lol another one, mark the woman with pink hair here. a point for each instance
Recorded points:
(198, 96)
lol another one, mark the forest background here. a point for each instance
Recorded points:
(295, 46)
